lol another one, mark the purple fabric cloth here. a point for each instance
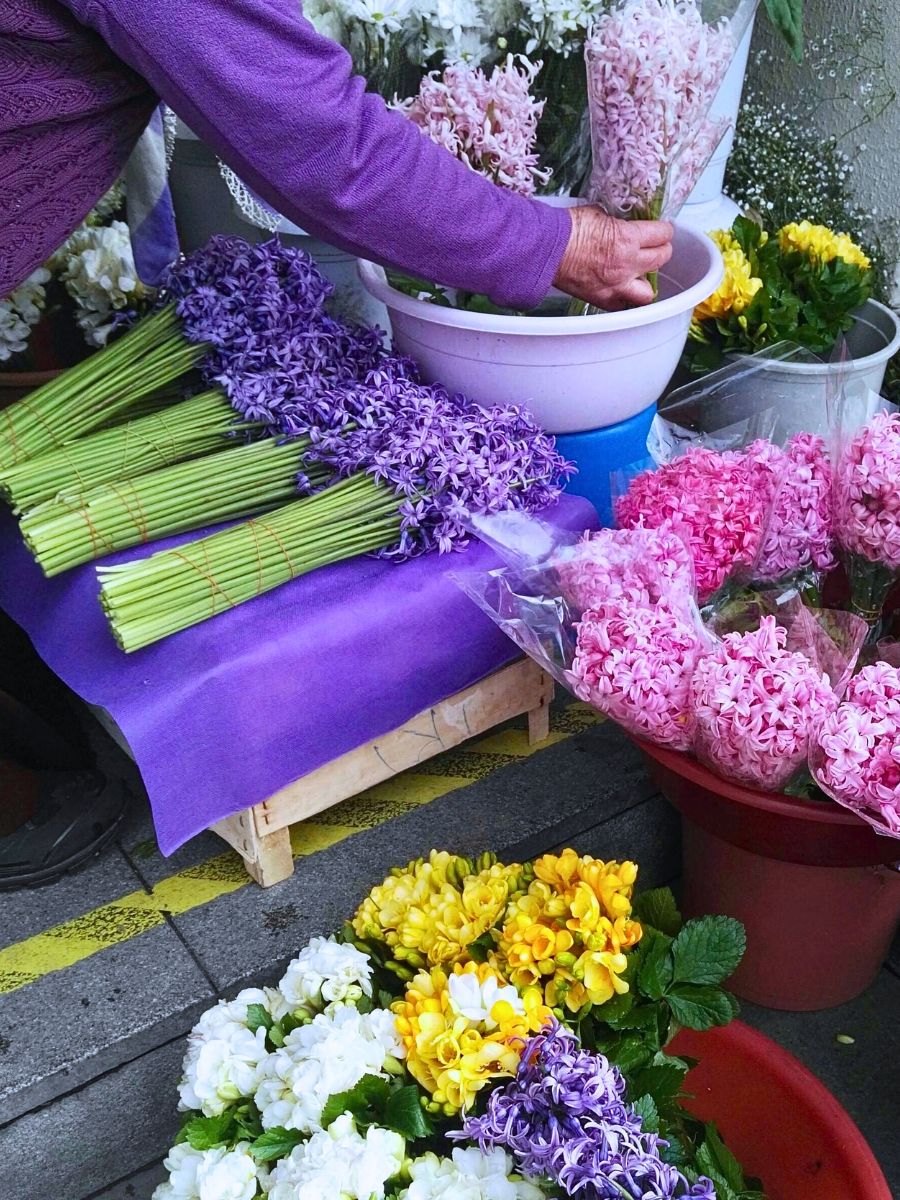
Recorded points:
(279, 104)
(223, 715)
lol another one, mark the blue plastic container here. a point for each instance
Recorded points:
(598, 452)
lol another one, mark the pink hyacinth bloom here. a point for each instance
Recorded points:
(867, 492)
(856, 756)
(653, 70)
(756, 705)
(489, 122)
(717, 502)
(639, 565)
(635, 664)
(799, 535)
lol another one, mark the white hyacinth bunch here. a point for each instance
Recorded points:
(225, 1057)
(339, 1164)
(325, 975)
(98, 271)
(467, 1175)
(20, 312)
(319, 1060)
(216, 1174)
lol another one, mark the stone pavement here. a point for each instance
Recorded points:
(103, 974)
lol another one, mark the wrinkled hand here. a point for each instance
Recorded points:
(607, 260)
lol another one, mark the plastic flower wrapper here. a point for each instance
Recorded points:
(611, 616)
(710, 476)
(855, 758)
(867, 499)
(760, 696)
(654, 68)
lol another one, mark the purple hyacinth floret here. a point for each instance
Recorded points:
(565, 1118)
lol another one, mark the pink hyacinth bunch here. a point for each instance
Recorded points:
(756, 705)
(867, 492)
(635, 664)
(488, 122)
(799, 536)
(642, 566)
(856, 756)
(718, 502)
(653, 70)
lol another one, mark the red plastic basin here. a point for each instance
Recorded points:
(768, 823)
(783, 1124)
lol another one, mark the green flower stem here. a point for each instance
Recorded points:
(148, 600)
(183, 431)
(144, 360)
(870, 584)
(233, 483)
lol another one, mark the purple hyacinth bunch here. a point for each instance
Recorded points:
(282, 359)
(564, 1117)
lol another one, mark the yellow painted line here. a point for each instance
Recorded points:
(120, 920)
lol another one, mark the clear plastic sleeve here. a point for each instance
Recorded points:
(654, 68)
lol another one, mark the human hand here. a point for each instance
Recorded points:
(607, 260)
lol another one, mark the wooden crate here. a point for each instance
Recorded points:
(260, 834)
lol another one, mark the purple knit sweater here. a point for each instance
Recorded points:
(279, 104)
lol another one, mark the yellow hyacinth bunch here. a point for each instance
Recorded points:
(463, 1028)
(568, 934)
(739, 284)
(821, 244)
(431, 912)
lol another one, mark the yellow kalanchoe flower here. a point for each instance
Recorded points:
(462, 1029)
(567, 935)
(821, 244)
(739, 285)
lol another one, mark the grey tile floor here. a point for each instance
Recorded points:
(89, 1054)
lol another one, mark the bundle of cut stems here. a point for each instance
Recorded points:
(150, 599)
(144, 360)
(175, 434)
(234, 483)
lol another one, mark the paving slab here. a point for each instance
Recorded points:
(70, 1026)
(103, 1132)
(863, 1076)
(139, 1186)
(539, 802)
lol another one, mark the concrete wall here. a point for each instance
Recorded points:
(877, 146)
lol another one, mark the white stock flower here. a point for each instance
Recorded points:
(20, 312)
(468, 1175)
(99, 274)
(476, 1000)
(386, 16)
(329, 1055)
(325, 19)
(339, 1164)
(224, 1058)
(327, 973)
(218, 1174)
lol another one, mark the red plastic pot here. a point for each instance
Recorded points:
(16, 384)
(810, 881)
(782, 1123)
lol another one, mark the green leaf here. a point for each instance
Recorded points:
(656, 970)
(697, 1007)
(647, 1111)
(614, 1010)
(366, 1101)
(202, 1133)
(717, 1162)
(658, 909)
(787, 17)
(276, 1036)
(628, 1051)
(275, 1143)
(258, 1017)
(404, 1114)
(481, 947)
(708, 950)
(663, 1083)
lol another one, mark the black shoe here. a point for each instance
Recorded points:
(77, 814)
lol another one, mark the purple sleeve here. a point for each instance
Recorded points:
(281, 106)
